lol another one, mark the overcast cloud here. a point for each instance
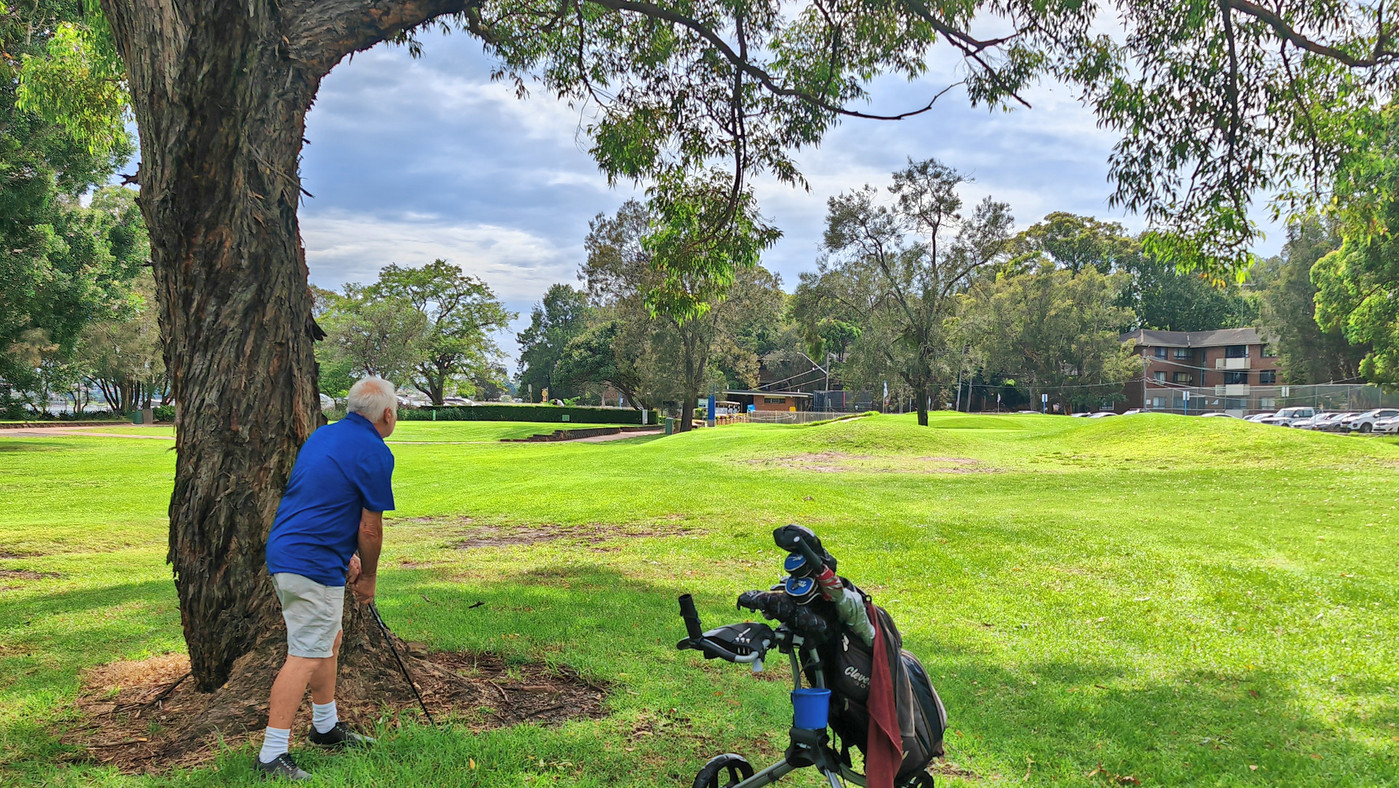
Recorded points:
(412, 160)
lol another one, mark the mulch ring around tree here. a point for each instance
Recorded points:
(133, 711)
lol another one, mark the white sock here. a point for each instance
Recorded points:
(323, 716)
(274, 743)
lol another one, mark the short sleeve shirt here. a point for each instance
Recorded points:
(342, 469)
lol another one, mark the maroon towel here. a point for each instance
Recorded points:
(884, 751)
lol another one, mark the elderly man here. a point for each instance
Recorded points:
(334, 506)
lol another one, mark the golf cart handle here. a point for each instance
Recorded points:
(691, 616)
(724, 643)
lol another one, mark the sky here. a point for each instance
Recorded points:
(412, 160)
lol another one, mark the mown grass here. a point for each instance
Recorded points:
(411, 431)
(1182, 601)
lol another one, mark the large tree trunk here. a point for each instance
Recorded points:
(220, 90)
(221, 113)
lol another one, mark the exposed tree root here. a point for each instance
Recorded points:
(147, 717)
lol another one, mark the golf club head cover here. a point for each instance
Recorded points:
(787, 536)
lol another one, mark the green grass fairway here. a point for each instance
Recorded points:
(1182, 601)
(410, 431)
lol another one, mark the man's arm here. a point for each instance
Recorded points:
(371, 541)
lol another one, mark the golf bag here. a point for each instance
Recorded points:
(922, 718)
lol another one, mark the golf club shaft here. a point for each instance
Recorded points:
(388, 638)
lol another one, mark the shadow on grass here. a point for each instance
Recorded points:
(1087, 721)
(29, 444)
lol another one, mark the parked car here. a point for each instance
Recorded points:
(1286, 416)
(1218, 414)
(1132, 412)
(1365, 422)
(1335, 422)
(1258, 417)
(1311, 423)
(1387, 426)
(457, 401)
(1102, 414)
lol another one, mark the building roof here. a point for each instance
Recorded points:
(1219, 338)
(768, 393)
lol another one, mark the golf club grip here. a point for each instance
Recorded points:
(807, 552)
(691, 616)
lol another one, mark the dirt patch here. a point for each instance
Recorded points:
(26, 574)
(949, 769)
(133, 710)
(839, 462)
(590, 536)
(18, 554)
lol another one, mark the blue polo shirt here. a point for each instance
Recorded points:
(342, 469)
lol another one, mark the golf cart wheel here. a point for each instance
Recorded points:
(724, 771)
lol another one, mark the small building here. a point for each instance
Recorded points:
(783, 401)
(1231, 369)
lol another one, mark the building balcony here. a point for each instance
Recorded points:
(1231, 363)
(1232, 390)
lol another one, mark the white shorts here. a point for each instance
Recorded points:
(313, 613)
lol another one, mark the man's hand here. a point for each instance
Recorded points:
(352, 574)
(363, 589)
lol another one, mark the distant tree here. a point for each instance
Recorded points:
(670, 326)
(459, 315)
(896, 271)
(1162, 297)
(1053, 331)
(122, 355)
(1357, 286)
(369, 335)
(559, 317)
(1306, 353)
(1077, 242)
(487, 382)
(601, 355)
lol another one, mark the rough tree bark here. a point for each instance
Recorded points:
(220, 91)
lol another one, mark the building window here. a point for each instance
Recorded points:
(1160, 352)
(1182, 354)
(1159, 377)
(1182, 377)
(1267, 403)
(1158, 402)
(1236, 351)
(1268, 377)
(1235, 378)
(774, 400)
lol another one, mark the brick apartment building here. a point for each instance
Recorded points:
(1231, 370)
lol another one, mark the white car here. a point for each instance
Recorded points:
(1335, 422)
(1218, 414)
(1286, 416)
(1312, 423)
(1388, 426)
(1102, 414)
(1258, 417)
(1365, 422)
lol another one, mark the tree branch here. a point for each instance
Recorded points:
(1286, 31)
(322, 32)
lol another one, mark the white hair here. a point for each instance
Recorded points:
(369, 397)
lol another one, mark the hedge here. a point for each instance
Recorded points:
(553, 414)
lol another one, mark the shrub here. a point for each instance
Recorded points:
(164, 413)
(552, 414)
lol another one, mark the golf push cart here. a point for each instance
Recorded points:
(861, 686)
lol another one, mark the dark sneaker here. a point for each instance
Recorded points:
(338, 737)
(280, 768)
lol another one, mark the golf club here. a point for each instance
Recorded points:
(384, 630)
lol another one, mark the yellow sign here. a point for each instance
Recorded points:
(544, 395)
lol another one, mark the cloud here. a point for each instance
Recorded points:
(412, 160)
